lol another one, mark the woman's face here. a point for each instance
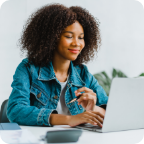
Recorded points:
(71, 42)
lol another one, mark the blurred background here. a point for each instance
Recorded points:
(122, 33)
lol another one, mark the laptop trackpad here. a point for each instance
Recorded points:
(89, 126)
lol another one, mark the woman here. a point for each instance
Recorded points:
(57, 40)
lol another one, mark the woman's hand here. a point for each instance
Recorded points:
(92, 117)
(87, 99)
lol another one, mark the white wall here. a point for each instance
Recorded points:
(122, 30)
(12, 16)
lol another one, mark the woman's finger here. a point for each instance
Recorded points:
(86, 96)
(98, 113)
(92, 121)
(86, 120)
(85, 89)
(100, 119)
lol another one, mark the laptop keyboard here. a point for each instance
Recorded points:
(89, 126)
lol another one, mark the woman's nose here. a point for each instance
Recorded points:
(75, 42)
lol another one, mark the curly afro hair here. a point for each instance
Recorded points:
(43, 28)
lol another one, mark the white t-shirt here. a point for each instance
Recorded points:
(61, 107)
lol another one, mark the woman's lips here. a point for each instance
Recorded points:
(74, 51)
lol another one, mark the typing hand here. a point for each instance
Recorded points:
(92, 117)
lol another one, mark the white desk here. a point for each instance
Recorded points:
(89, 137)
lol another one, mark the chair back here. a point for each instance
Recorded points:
(3, 116)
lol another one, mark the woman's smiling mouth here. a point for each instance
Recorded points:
(73, 50)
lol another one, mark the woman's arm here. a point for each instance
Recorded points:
(93, 84)
(92, 117)
(59, 119)
(19, 109)
(99, 109)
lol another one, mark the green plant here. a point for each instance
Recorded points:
(105, 81)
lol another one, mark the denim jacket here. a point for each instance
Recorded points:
(36, 92)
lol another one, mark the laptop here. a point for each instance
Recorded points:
(125, 107)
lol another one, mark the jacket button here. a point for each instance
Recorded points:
(55, 97)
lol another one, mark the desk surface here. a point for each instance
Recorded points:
(122, 137)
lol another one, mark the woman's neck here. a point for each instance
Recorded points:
(61, 67)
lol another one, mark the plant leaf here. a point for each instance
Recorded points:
(114, 73)
(103, 81)
(107, 78)
(142, 74)
(121, 74)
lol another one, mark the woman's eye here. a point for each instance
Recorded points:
(68, 37)
(71, 37)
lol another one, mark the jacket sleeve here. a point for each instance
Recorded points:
(19, 109)
(102, 97)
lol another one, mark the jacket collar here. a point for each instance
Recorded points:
(47, 73)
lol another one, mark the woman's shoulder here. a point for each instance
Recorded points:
(26, 66)
(23, 67)
(83, 71)
(81, 68)
(84, 75)
(26, 63)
